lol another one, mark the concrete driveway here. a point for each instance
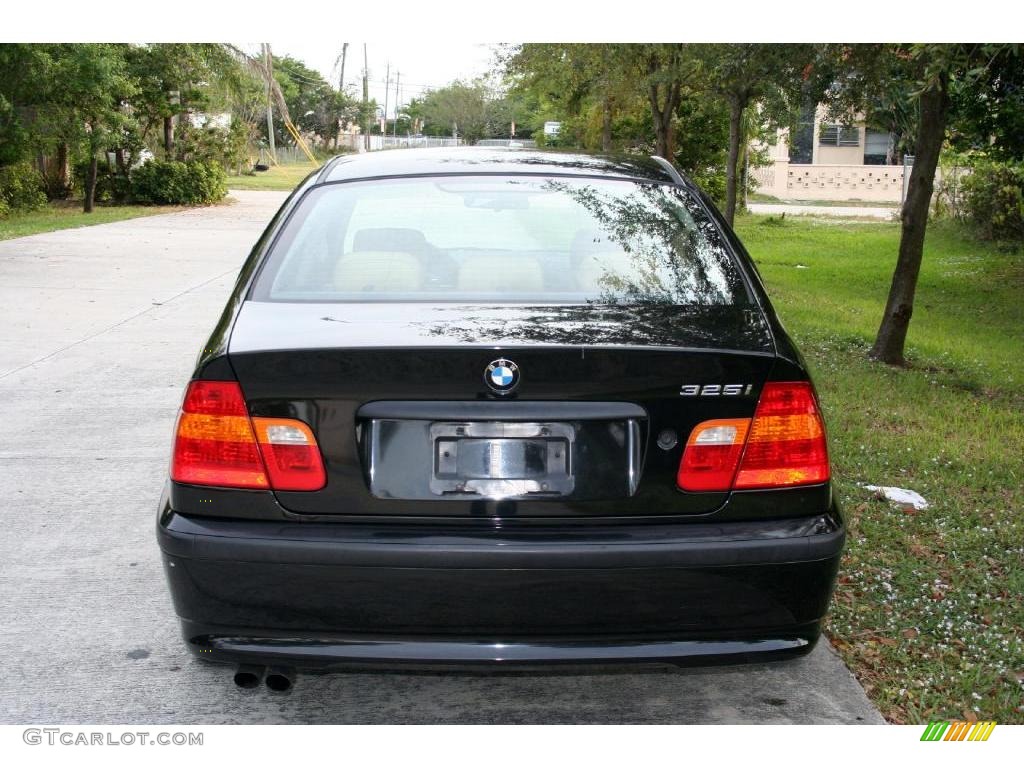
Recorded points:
(884, 212)
(100, 329)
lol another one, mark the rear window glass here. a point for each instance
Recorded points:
(501, 239)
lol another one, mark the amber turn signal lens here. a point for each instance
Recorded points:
(214, 443)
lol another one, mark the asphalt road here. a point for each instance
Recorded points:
(100, 327)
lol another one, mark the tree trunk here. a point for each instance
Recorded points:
(168, 136)
(662, 114)
(90, 184)
(63, 172)
(892, 333)
(735, 124)
(606, 124)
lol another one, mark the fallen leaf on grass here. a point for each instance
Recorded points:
(910, 633)
(919, 550)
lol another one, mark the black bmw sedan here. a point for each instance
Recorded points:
(498, 406)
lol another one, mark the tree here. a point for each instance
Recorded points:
(926, 76)
(69, 96)
(61, 103)
(476, 110)
(315, 106)
(459, 107)
(94, 89)
(990, 114)
(702, 139)
(571, 80)
(745, 74)
(25, 85)
(664, 66)
(577, 77)
(173, 79)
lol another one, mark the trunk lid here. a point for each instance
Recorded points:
(415, 371)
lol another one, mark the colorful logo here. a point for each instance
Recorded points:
(502, 376)
(958, 730)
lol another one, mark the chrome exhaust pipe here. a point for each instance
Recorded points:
(280, 679)
(248, 675)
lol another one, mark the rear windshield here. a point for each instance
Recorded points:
(501, 239)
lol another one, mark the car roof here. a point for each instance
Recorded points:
(491, 160)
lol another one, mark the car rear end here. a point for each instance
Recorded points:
(529, 417)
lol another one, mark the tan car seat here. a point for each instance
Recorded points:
(378, 272)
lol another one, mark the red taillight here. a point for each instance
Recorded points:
(215, 444)
(291, 454)
(711, 455)
(784, 445)
(215, 398)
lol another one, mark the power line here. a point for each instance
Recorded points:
(418, 85)
(299, 75)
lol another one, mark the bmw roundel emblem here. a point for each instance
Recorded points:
(502, 376)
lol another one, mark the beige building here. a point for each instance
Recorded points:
(832, 162)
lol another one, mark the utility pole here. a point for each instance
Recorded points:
(269, 60)
(387, 92)
(398, 76)
(366, 101)
(341, 77)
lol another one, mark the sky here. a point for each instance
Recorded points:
(421, 65)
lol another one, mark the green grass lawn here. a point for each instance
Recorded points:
(928, 611)
(68, 215)
(279, 177)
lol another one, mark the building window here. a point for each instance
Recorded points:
(879, 148)
(801, 138)
(832, 135)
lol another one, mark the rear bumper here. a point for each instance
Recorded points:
(316, 595)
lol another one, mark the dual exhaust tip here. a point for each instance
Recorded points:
(277, 679)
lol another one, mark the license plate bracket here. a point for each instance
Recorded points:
(493, 459)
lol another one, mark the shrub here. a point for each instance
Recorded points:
(112, 186)
(228, 147)
(169, 182)
(21, 188)
(993, 200)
